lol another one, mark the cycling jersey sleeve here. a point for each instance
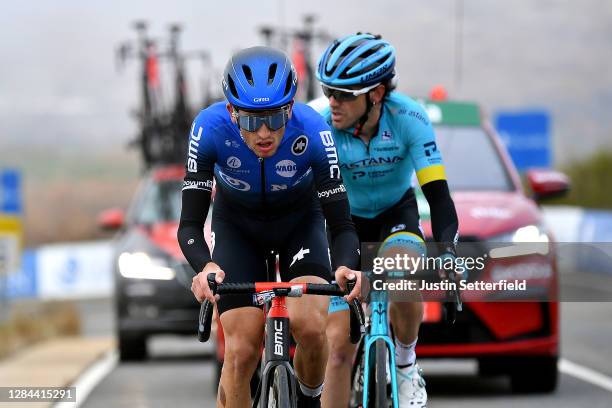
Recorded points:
(196, 193)
(444, 221)
(430, 172)
(333, 198)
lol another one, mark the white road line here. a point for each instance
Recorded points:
(90, 378)
(585, 374)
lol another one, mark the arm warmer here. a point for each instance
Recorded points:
(196, 202)
(444, 222)
(344, 239)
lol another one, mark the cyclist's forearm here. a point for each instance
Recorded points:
(345, 242)
(444, 222)
(191, 228)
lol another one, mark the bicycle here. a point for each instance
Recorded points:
(376, 350)
(277, 386)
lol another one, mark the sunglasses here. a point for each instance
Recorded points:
(251, 122)
(344, 95)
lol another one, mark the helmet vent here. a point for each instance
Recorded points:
(272, 73)
(248, 74)
(288, 83)
(232, 87)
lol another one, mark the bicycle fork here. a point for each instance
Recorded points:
(379, 329)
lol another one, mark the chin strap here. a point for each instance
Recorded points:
(364, 118)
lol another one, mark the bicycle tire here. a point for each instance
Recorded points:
(356, 398)
(380, 385)
(280, 392)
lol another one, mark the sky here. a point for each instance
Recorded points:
(60, 86)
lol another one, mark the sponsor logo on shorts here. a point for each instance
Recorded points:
(398, 227)
(300, 255)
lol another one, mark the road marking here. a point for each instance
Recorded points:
(90, 378)
(585, 374)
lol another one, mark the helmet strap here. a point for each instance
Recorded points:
(364, 118)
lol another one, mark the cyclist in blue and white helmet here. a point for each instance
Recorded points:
(357, 63)
(384, 139)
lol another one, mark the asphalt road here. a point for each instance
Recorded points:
(180, 372)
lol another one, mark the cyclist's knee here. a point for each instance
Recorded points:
(243, 330)
(241, 353)
(309, 329)
(340, 348)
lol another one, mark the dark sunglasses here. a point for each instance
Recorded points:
(251, 122)
(344, 95)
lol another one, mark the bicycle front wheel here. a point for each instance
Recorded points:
(378, 389)
(280, 391)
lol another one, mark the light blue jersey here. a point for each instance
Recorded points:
(377, 175)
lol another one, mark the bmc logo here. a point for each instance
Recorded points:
(258, 100)
(194, 142)
(332, 154)
(278, 338)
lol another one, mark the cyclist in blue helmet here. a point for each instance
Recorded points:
(383, 138)
(277, 184)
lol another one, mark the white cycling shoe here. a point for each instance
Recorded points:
(411, 387)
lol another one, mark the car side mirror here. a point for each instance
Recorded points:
(111, 219)
(547, 183)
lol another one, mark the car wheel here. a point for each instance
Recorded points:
(534, 374)
(132, 348)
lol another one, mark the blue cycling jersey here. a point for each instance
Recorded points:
(378, 174)
(306, 155)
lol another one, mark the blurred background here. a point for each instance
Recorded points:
(94, 96)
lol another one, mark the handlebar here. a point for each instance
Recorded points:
(289, 289)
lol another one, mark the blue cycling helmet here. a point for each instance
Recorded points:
(358, 59)
(259, 78)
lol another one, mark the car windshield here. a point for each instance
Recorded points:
(158, 202)
(471, 160)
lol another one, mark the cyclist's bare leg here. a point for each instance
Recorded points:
(243, 329)
(406, 319)
(336, 392)
(308, 316)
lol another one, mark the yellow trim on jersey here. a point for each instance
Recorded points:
(431, 173)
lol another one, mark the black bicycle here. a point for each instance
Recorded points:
(277, 387)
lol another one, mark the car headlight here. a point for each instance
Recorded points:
(527, 240)
(528, 233)
(139, 265)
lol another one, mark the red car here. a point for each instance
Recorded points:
(516, 338)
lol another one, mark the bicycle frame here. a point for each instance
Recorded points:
(277, 343)
(277, 336)
(378, 329)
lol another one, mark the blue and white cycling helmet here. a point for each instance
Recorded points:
(357, 59)
(259, 78)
